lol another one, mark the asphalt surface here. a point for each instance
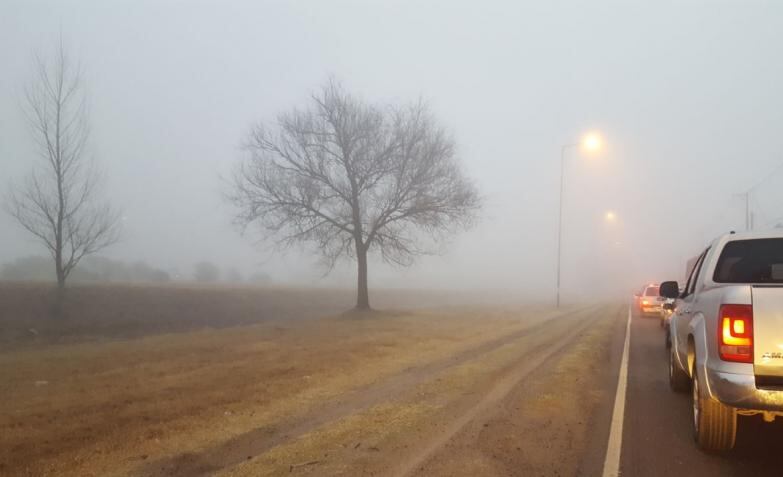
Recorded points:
(657, 436)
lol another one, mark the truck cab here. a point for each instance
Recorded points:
(726, 335)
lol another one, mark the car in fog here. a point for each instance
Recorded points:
(727, 335)
(647, 301)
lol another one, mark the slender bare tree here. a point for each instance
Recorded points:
(354, 177)
(58, 202)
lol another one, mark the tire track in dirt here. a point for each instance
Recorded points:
(258, 441)
(542, 353)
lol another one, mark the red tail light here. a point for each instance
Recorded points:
(735, 333)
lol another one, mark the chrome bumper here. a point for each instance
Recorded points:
(739, 390)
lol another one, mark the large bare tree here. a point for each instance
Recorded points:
(59, 201)
(353, 177)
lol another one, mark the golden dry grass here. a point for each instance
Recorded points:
(108, 408)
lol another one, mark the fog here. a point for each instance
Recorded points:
(686, 96)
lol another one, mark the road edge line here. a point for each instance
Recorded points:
(615, 443)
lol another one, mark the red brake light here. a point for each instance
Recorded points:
(735, 333)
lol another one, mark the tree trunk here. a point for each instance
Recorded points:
(57, 307)
(362, 294)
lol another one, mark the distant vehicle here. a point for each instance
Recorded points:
(726, 334)
(647, 301)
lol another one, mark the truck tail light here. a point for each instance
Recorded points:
(735, 333)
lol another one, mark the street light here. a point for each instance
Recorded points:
(610, 216)
(591, 143)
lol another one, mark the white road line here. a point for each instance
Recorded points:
(614, 447)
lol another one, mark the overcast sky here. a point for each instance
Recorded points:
(687, 95)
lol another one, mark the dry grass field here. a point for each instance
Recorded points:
(182, 381)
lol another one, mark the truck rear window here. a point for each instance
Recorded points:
(751, 261)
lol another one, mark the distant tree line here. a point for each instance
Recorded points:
(91, 269)
(208, 272)
(102, 269)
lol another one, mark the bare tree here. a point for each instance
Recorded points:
(354, 177)
(58, 202)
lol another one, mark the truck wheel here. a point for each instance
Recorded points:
(714, 423)
(678, 379)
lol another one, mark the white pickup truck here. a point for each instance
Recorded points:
(727, 335)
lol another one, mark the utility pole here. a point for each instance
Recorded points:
(560, 217)
(746, 196)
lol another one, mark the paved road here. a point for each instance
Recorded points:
(657, 439)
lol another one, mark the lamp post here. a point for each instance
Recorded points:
(590, 142)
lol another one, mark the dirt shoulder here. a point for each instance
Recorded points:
(548, 423)
(524, 407)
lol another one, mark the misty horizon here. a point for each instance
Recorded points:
(173, 88)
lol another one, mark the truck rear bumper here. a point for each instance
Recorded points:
(740, 391)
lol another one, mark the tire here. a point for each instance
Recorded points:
(714, 423)
(678, 378)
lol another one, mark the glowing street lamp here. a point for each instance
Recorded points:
(610, 216)
(590, 143)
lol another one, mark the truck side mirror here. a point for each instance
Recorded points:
(670, 290)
